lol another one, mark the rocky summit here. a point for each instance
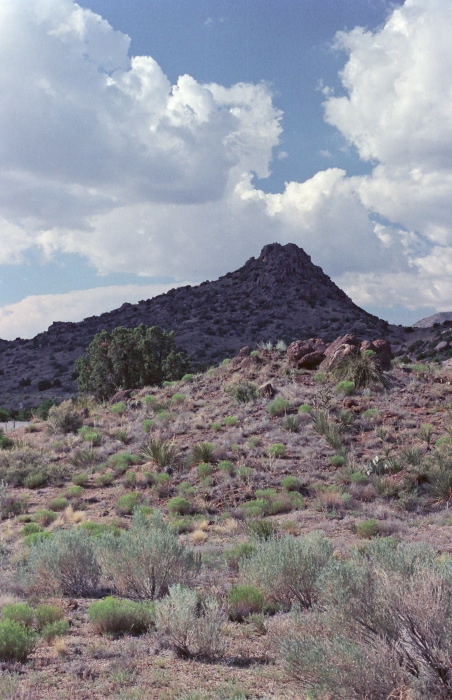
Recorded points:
(280, 295)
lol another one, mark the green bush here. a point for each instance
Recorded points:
(179, 505)
(118, 617)
(190, 626)
(202, 452)
(178, 398)
(244, 600)
(55, 629)
(16, 641)
(204, 469)
(36, 538)
(36, 480)
(47, 615)
(261, 529)
(118, 409)
(126, 504)
(106, 479)
(148, 425)
(130, 358)
(74, 492)
(337, 460)
(161, 451)
(80, 479)
(44, 517)
(146, 559)
(30, 529)
(58, 503)
(243, 392)
(304, 408)
(278, 407)
(90, 434)
(65, 564)
(288, 569)
(291, 483)
(345, 387)
(18, 612)
(367, 528)
(230, 421)
(64, 418)
(226, 466)
(187, 377)
(276, 450)
(235, 554)
(361, 369)
(291, 423)
(130, 479)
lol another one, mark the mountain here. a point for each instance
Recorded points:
(429, 321)
(280, 294)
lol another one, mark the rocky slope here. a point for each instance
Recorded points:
(280, 294)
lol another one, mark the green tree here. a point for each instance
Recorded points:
(129, 358)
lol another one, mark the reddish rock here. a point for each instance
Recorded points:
(339, 349)
(300, 348)
(384, 353)
(311, 361)
(267, 390)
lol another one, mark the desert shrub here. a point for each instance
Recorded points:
(304, 408)
(36, 480)
(6, 443)
(121, 460)
(261, 529)
(17, 464)
(225, 466)
(337, 460)
(367, 528)
(202, 452)
(16, 641)
(291, 483)
(30, 529)
(278, 407)
(74, 492)
(331, 431)
(44, 516)
(9, 506)
(288, 569)
(119, 408)
(146, 559)
(244, 601)
(36, 538)
(130, 479)
(231, 421)
(361, 369)
(84, 457)
(179, 505)
(64, 418)
(90, 434)
(105, 479)
(64, 563)
(255, 508)
(148, 425)
(55, 629)
(276, 450)
(345, 387)
(188, 625)
(18, 612)
(235, 554)
(118, 617)
(126, 504)
(242, 392)
(291, 423)
(162, 484)
(386, 611)
(161, 451)
(178, 398)
(47, 615)
(80, 479)
(188, 377)
(204, 469)
(58, 503)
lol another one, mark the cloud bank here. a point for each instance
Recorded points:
(102, 157)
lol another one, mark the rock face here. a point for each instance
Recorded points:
(280, 294)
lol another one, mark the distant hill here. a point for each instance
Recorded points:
(280, 294)
(429, 321)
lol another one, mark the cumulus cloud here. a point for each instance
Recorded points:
(36, 313)
(103, 157)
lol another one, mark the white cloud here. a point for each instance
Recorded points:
(37, 313)
(103, 157)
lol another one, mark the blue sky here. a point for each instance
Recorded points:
(161, 142)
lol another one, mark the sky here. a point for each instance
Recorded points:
(151, 143)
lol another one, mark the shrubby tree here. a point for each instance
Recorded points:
(129, 358)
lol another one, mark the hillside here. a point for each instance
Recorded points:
(280, 295)
(229, 465)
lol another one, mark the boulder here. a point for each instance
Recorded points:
(339, 349)
(300, 348)
(384, 353)
(311, 361)
(267, 390)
